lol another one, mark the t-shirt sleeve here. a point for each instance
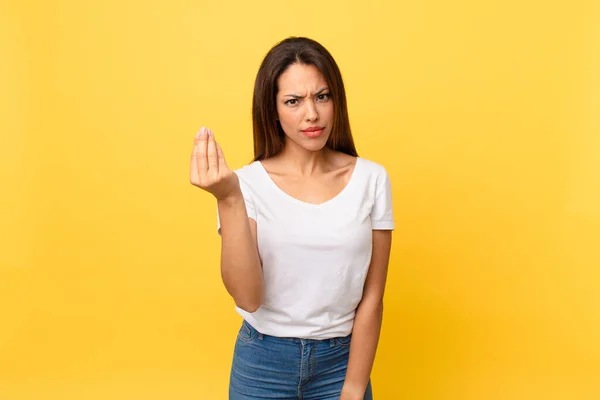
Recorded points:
(250, 210)
(382, 216)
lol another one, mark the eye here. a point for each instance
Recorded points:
(323, 97)
(292, 102)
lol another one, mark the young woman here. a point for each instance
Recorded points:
(306, 235)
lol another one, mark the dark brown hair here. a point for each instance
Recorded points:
(269, 137)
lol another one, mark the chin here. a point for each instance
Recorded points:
(314, 148)
(314, 144)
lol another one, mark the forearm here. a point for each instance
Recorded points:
(365, 337)
(240, 264)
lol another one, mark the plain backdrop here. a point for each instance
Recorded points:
(485, 114)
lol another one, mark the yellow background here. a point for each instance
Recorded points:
(485, 113)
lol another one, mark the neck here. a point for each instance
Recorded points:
(303, 162)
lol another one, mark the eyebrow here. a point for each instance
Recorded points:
(301, 97)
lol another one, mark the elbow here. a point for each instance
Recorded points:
(249, 306)
(250, 309)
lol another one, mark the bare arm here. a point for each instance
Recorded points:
(368, 320)
(240, 265)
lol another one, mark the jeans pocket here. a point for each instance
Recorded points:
(247, 333)
(343, 341)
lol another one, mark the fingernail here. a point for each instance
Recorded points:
(209, 132)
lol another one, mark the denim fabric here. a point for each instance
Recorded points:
(268, 367)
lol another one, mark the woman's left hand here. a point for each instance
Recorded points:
(348, 395)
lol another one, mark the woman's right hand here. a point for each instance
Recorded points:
(208, 169)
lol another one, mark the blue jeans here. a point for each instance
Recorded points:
(268, 367)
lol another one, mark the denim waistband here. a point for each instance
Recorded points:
(262, 336)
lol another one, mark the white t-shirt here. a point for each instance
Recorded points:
(315, 258)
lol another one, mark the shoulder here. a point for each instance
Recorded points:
(373, 169)
(249, 172)
(362, 165)
(251, 178)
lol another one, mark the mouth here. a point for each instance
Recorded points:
(314, 131)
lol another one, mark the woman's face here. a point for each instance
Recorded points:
(304, 106)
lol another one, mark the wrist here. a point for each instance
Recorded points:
(350, 392)
(231, 199)
(349, 396)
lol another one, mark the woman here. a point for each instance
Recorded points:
(306, 235)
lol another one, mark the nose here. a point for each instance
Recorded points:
(311, 111)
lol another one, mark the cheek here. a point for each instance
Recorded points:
(326, 110)
(287, 117)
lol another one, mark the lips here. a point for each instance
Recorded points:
(313, 131)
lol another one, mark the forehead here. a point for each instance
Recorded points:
(301, 77)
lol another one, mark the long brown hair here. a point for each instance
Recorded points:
(269, 137)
